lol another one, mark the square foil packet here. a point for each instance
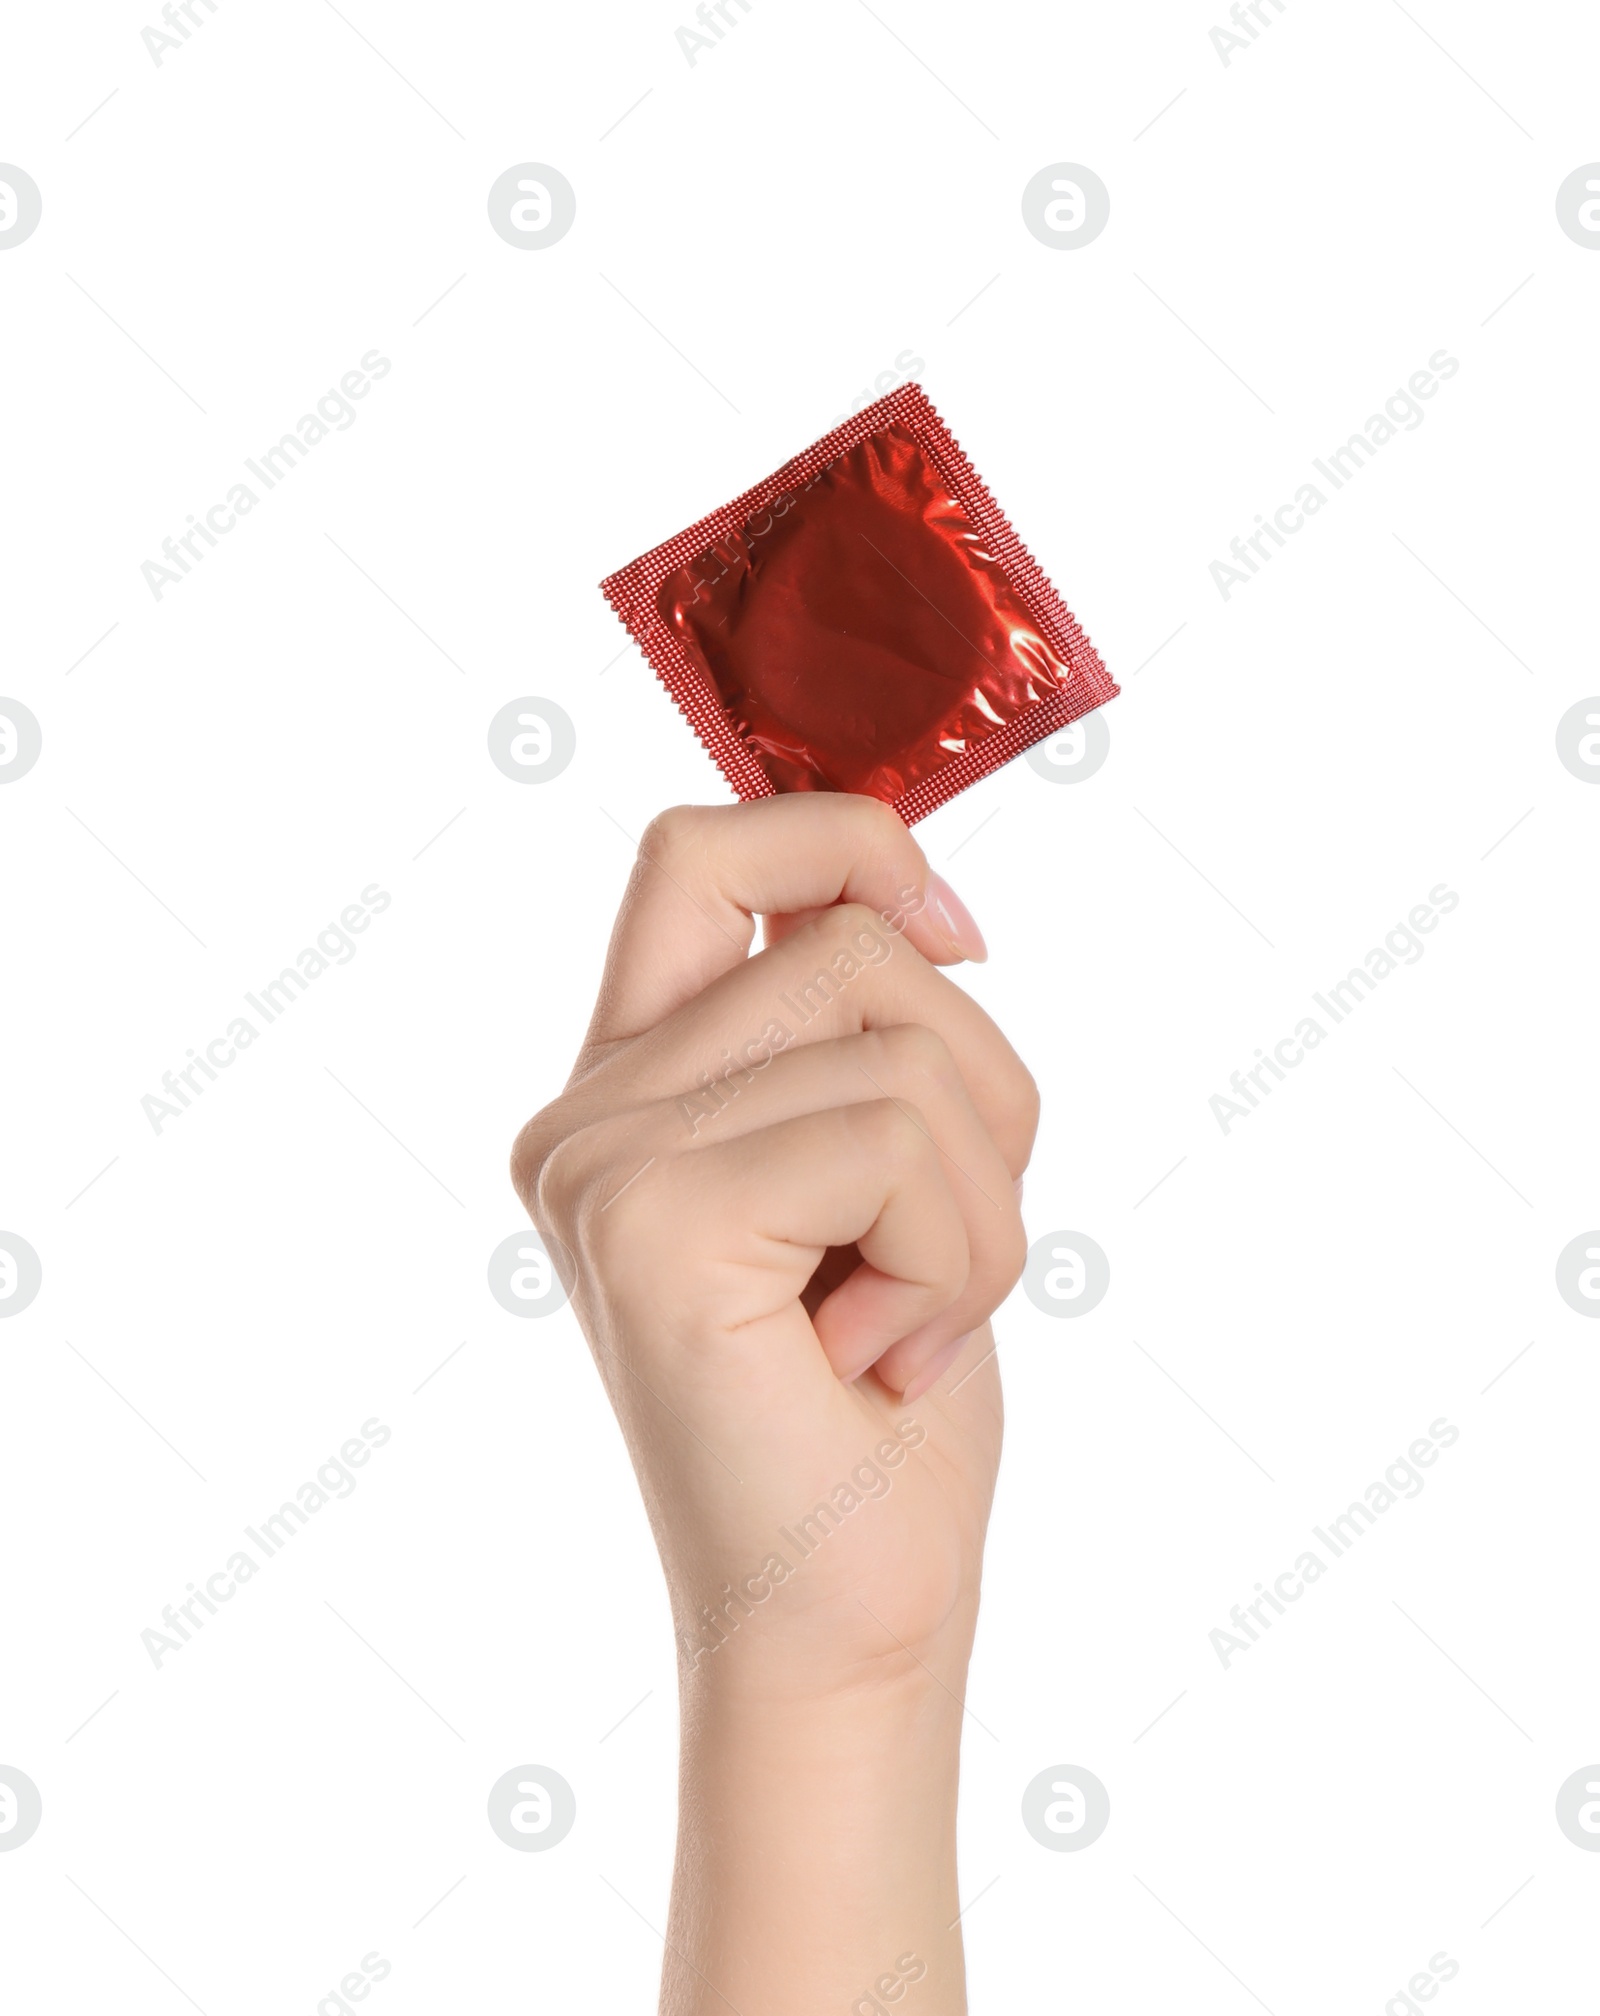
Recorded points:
(863, 620)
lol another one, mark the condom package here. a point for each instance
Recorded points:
(864, 620)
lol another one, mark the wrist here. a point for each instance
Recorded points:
(884, 1714)
(817, 1851)
(841, 1655)
(761, 1682)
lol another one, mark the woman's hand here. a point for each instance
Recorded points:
(782, 1192)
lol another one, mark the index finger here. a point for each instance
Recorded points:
(705, 873)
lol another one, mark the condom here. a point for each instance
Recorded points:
(864, 620)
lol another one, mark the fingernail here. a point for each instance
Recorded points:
(952, 917)
(936, 1367)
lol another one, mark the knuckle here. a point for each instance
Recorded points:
(556, 1181)
(896, 1129)
(606, 1182)
(920, 1054)
(885, 842)
(879, 822)
(1011, 1253)
(535, 1142)
(580, 1206)
(1011, 1094)
(595, 1184)
(672, 834)
(1025, 1094)
(877, 830)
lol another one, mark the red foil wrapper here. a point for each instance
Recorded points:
(864, 620)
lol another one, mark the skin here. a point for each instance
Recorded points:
(787, 1291)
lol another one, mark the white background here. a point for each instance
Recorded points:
(1291, 770)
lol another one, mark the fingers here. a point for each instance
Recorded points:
(705, 872)
(842, 973)
(707, 1071)
(968, 1366)
(908, 1065)
(734, 1231)
(914, 1255)
(914, 1068)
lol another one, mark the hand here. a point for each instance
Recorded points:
(781, 1190)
